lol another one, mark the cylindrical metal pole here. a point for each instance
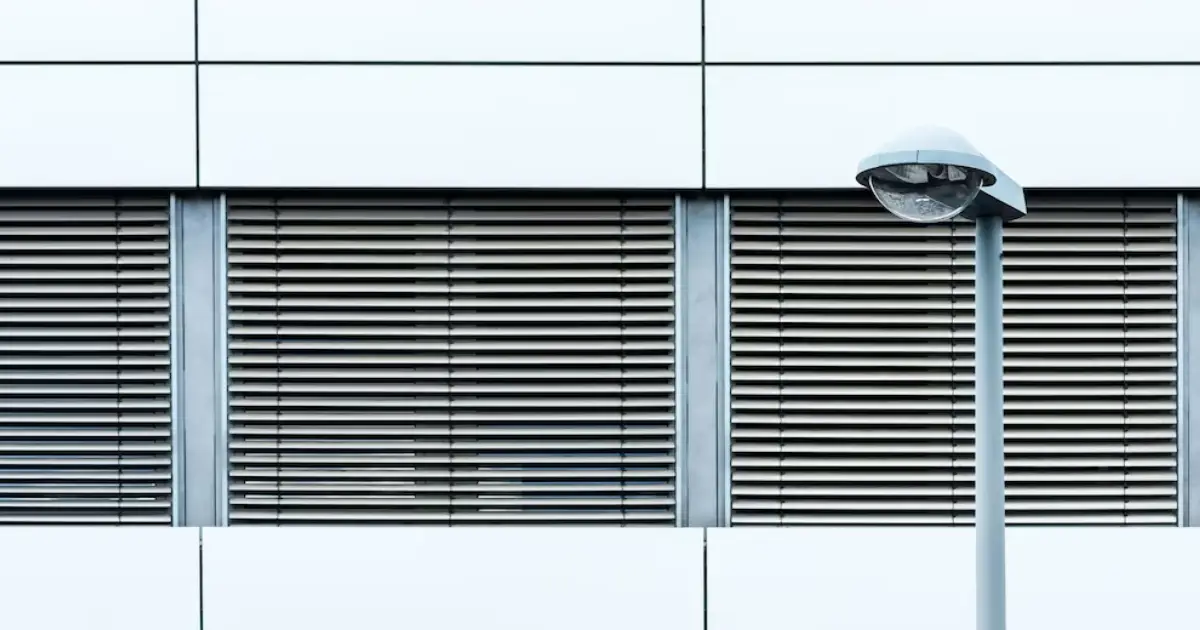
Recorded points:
(989, 425)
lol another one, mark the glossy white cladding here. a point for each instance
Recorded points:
(905, 579)
(141, 578)
(97, 30)
(450, 126)
(453, 579)
(450, 30)
(1046, 126)
(937, 31)
(99, 578)
(72, 126)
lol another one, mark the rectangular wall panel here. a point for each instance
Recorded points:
(92, 30)
(447, 579)
(96, 126)
(841, 579)
(931, 31)
(100, 578)
(450, 30)
(450, 126)
(1046, 126)
(863, 579)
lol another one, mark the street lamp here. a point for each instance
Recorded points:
(929, 175)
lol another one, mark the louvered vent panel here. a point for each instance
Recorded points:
(853, 358)
(85, 422)
(452, 362)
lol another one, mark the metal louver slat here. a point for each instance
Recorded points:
(454, 362)
(85, 418)
(852, 374)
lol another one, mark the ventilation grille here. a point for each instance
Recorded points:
(853, 358)
(451, 362)
(85, 418)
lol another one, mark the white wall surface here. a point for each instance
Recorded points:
(450, 30)
(848, 578)
(451, 579)
(99, 578)
(460, 118)
(97, 126)
(1047, 126)
(907, 579)
(352, 578)
(97, 30)
(933, 30)
(450, 126)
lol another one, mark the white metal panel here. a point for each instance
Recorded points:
(1047, 126)
(100, 578)
(868, 578)
(97, 126)
(932, 31)
(451, 361)
(841, 579)
(853, 362)
(450, 30)
(450, 579)
(85, 404)
(1102, 578)
(450, 126)
(87, 30)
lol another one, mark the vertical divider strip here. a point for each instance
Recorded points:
(724, 248)
(702, 357)
(198, 363)
(679, 223)
(1188, 352)
(220, 246)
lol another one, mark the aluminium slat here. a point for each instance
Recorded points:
(852, 366)
(85, 425)
(495, 360)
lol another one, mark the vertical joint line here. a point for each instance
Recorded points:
(200, 568)
(196, 78)
(703, 96)
(704, 579)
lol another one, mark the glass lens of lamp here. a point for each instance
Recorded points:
(925, 193)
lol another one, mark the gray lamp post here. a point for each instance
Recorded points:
(929, 175)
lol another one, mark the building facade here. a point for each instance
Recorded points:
(604, 263)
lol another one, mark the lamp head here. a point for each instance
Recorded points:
(932, 174)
